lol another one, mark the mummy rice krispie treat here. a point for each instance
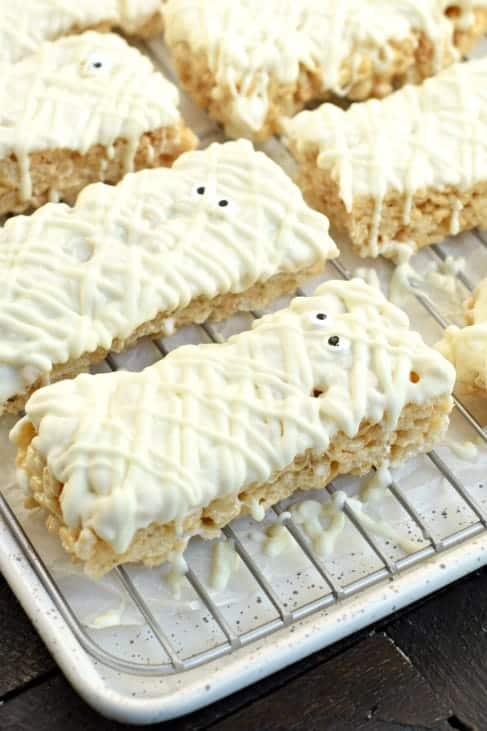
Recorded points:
(466, 347)
(410, 168)
(25, 24)
(224, 229)
(251, 62)
(129, 466)
(82, 109)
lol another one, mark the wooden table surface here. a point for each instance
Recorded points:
(425, 668)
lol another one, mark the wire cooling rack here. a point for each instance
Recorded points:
(137, 653)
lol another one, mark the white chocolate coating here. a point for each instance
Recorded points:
(74, 279)
(428, 136)
(209, 420)
(466, 347)
(25, 24)
(250, 44)
(78, 92)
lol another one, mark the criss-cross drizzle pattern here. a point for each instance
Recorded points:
(74, 279)
(422, 138)
(78, 92)
(25, 24)
(251, 46)
(136, 448)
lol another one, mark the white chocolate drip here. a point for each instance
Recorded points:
(79, 92)
(110, 618)
(463, 449)
(421, 137)
(250, 45)
(225, 561)
(176, 575)
(466, 347)
(25, 24)
(324, 523)
(376, 484)
(278, 540)
(152, 244)
(207, 421)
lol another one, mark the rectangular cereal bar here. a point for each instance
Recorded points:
(25, 24)
(81, 109)
(251, 63)
(223, 229)
(129, 466)
(410, 168)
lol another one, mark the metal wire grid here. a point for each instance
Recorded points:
(336, 593)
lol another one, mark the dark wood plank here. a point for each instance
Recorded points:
(446, 639)
(324, 684)
(23, 655)
(372, 686)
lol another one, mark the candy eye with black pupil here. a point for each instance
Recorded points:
(97, 65)
(200, 190)
(334, 341)
(321, 316)
(223, 203)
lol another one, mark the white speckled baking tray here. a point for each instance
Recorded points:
(139, 655)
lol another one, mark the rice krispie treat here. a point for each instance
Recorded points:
(129, 466)
(249, 63)
(81, 109)
(466, 347)
(410, 168)
(25, 24)
(224, 229)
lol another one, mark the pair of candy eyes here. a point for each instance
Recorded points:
(319, 318)
(223, 202)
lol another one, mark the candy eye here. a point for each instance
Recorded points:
(96, 64)
(335, 342)
(223, 203)
(200, 190)
(319, 318)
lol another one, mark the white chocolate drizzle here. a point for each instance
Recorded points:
(463, 449)
(205, 422)
(25, 24)
(250, 46)
(78, 92)
(466, 347)
(151, 244)
(324, 523)
(277, 540)
(176, 575)
(225, 561)
(432, 136)
(110, 618)
(374, 486)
